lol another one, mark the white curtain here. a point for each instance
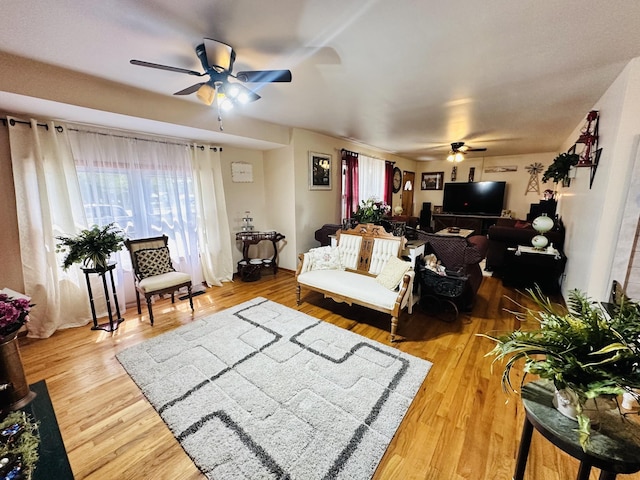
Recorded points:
(214, 236)
(67, 179)
(48, 204)
(371, 177)
(145, 186)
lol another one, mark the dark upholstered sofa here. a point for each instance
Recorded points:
(509, 233)
(460, 255)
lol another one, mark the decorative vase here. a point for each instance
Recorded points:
(566, 402)
(14, 389)
(539, 242)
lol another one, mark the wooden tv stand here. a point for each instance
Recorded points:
(478, 223)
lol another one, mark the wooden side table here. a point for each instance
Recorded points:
(113, 324)
(614, 447)
(253, 238)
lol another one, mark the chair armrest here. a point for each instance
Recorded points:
(304, 263)
(479, 246)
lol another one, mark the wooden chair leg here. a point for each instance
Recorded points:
(173, 297)
(138, 301)
(149, 308)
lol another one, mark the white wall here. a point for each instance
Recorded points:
(594, 216)
(280, 202)
(241, 197)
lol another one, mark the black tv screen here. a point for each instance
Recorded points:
(475, 198)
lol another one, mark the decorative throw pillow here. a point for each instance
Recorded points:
(392, 273)
(153, 261)
(520, 224)
(325, 258)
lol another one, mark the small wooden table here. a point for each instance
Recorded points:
(113, 324)
(614, 446)
(253, 238)
(462, 232)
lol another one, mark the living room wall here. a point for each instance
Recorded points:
(601, 221)
(517, 198)
(314, 208)
(11, 271)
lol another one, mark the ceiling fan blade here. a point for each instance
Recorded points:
(191, 89)
(165, 67)
(218, 54)
(264, 76)
(480, 149)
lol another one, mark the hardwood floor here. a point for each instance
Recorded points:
(460, 425)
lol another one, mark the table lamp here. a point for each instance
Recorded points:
(542, 225)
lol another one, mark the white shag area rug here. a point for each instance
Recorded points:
(261, 391)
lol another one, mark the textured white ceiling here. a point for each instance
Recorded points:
(407, 76)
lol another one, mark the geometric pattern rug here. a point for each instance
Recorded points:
(262, 391)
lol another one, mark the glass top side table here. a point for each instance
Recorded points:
(614, 446)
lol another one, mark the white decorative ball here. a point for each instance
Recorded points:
(539, 242)
(542, 224)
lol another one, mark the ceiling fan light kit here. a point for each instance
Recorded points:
(224, 88)
(458, 149)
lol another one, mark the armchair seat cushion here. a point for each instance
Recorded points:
(162, 281)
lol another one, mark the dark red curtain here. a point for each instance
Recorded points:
(350, 198)
(388, 183)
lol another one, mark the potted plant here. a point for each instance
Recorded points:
(371, 211)
(558, 171)
(579, 349)
(91, 247)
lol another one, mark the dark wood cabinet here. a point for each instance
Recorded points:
(478, 223)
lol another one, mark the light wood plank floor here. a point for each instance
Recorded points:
(460, 425)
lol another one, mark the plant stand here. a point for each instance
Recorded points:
(113, 324)
(613, 448)
(14, 389)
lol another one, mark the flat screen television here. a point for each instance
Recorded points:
(474, 198)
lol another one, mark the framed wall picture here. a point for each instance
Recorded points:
(319, 171)
(241, 172)
(432, 181)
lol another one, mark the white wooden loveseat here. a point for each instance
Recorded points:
(364, 269)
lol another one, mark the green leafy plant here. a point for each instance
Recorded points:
(91, 247)
(577, 348)
(371, 211)
(559, 169)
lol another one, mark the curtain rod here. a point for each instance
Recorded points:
(59, 128)
(370, 156)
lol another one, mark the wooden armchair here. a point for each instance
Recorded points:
(154, 274)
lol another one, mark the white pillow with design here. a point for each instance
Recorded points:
(325, 258)
(393, 272)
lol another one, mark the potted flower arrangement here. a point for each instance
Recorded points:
(14, 313)
(91, 247)
(371, 211)
(558, 171)
(579, 349)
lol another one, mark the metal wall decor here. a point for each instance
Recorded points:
(590, 153)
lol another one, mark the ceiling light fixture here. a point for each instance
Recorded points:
(455, 157)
